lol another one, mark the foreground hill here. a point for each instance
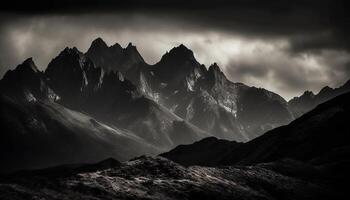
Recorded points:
(158, 178)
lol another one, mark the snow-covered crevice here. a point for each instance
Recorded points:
(146, 89)
(100, 79)
(29, 96)
(120, 76)
(190, 84)
(192, 78)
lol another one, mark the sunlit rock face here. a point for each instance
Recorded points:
(206, 98)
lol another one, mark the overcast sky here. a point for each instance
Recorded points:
(286, 47)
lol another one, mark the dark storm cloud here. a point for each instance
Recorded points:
(254, 17)
(309, 25)
(284, 46)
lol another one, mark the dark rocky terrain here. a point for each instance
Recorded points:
(158, 178)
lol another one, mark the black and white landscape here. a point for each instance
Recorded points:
(100, 120)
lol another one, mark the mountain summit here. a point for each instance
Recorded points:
(114, 57)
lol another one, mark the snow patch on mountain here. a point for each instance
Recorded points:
(29, 96)
(146, 89)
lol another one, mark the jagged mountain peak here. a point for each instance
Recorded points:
(99, 44)
(309, 100)
(325, 89)
(347, 84)
(98, 41)
(214, 67)
(71, 51)
(306, 96)
(179, 54)
(133, 54)
(67, 58)
(28, 61)
(115, 57)
(308, 93)
(27, 68)
(215, 75)
(116, 46)
(26, 83)
(181, 49)
(130, 45)
(28, 64)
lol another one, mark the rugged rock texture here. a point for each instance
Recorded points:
(320, 138)
(114, 58)
(206, 98)
(25, 83)
(77, 112)
(158, 178)
(83, 111)
(108, 96)
(309, 100)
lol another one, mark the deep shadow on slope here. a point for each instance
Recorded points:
(320, 132)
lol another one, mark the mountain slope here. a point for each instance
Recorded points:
(26, 82)
(38, 134)
(110, 97)
(205, 97)
(297, 161)
(319, 137)
(309, 100)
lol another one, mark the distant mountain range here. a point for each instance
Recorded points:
(108, 102)
(319, 137)
(309, 100)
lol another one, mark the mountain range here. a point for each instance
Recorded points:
(108, 102)
(306, 159)
(308, 100)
